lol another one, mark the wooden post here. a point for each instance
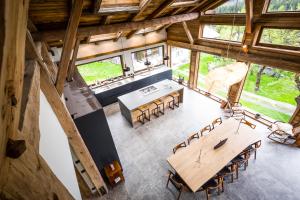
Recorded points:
(194, 67)
(73, 60)
(188, 32)
(69, 41)
(235, 91)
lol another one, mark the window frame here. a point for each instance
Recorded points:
(266, 9)
(155, 66)
(230, 14)
(122, 67)
(275, 46)
(185, 82)
(222, 40)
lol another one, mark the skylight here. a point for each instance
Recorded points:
(230, 7)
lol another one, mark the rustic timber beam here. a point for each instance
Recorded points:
(259, 57)
(73, 60)
(178, 10)
(156, 13)
(67, 122)
(248, 35)
(215, 4)
(188, 32)
(194, 68)
(97, 5)
(113, 28)
(68, 45)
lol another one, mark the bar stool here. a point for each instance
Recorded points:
(160, 107)
(145, 114)
(175, 100)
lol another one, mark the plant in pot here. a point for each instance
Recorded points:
(180, 79)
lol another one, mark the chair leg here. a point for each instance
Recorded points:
(207, 197)
(179, 194)
(231, 177)
(255, 154)
(237, 173)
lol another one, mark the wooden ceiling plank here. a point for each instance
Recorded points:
(113, 28)
(178, 10)
(73, 60)
(68, 45)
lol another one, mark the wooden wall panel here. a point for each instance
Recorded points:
(176, 31)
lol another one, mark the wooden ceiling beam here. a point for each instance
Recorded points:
(113, 28)
(178, 10)
(214, 5)
(188, 32)
(68, 45)
(157, 12)
(73, 60)
(97, 5)
(248, 36)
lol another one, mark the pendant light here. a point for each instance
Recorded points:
(125, 68)
(147, 62)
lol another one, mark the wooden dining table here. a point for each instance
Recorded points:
(199, 162)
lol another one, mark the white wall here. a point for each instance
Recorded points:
(54, 148)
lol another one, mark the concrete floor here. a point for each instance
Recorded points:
(143, 152)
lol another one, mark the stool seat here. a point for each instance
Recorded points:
(175, 100)
(145, 113)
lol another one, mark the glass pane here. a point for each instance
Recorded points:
(287, 37)
(180, 63)
(101, 70)
(284, 6)
(231, 6)
(207, 63)
(270, 92)
(155, 56)
(224, 32)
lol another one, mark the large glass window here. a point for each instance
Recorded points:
(285, 37)
(210, 62)
(180, 63)
(154, 56)
(224, 32)
(284, 6)
(101, 70)
(271, 92)
(229, 7)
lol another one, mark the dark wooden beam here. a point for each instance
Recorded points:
(69, 41)
(73, 60)
(156, 13)
(97, 5)
(113, 28)
(188, 32)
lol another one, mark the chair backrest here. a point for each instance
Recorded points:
(205, 129)
(217, 121)
(178, 146)
(253, 126)
(193, 136)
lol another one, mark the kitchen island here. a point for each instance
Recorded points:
(131, 102)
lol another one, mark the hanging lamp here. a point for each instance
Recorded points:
(125, 68)
(147, 62)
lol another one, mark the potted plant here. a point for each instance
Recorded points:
(180, 79)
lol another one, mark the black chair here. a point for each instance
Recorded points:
(205, 130)
(215, 183)
(145, 114)
(159, 108)
(216, 122)
(228, 170)
(241, 161)
(178, 146)
(175, 99)
(177, 182)
(192, 137)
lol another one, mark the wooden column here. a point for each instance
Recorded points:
(194, 67)
(235, 91)
(295, 121)
(168, 53)
(68, 45)
(73, 60)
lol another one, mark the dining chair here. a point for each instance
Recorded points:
(179, 146)
(253, 148)
(228, 170)
(216, 122)
(253, 126)
(177, 182)
(192, 137)
(206, 129)
(215, 183)
(241, 161)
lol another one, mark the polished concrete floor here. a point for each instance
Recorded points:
(143, 152)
